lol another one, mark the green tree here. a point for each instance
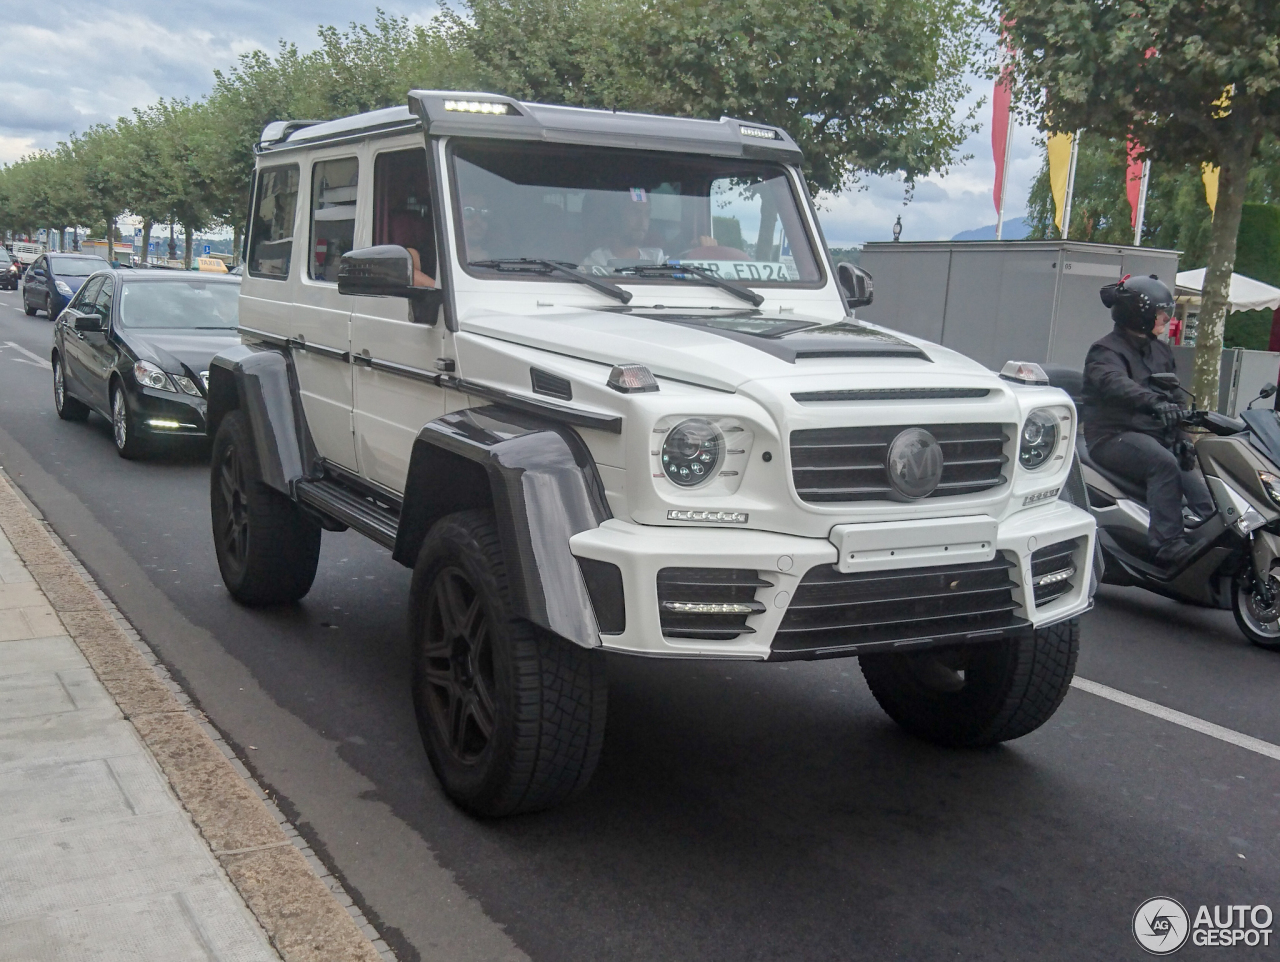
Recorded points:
(863, 85)
(1193, 81)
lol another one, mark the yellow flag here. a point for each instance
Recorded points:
(1209, 174)
(1059, 148)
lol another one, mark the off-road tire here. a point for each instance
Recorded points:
(1009, 687)
(68, 408)
(547, 697)
(267, 547)
(130, 444)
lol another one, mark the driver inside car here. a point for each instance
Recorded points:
(1131, 428)
(628, 227)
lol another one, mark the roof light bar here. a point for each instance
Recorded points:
(763, 133)
(479, 107)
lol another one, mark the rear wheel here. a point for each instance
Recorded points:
(1257, 617)
(69, 409)
(969, 696)
(512, 717)
(267, 548)
(124, 426)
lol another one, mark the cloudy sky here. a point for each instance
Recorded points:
(73, 63)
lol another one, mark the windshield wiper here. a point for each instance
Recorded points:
(688, 270)
(512, 264)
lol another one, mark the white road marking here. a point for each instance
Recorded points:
(23, 360)
(47, 365)
(1227, 735)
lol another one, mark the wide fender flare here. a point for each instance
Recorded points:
(543, 486)
(262, 382)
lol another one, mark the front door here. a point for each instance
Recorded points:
(75, 367)
(99, 349)
(393, 357)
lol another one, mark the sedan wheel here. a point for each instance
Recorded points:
(124, 426)
(68, 408)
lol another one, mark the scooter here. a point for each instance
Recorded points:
(1236, 561)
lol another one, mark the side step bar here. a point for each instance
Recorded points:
(338, 501)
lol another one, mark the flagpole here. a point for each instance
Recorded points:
(1004, 179)
(1071, 184)
(1142, 203)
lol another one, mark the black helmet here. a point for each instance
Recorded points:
(1135, 301)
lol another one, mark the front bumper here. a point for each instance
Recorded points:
(163, 413)
(780, 563)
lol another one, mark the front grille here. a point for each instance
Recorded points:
(848, 464)
(1053, 570)
(834, 613)
(709, 603)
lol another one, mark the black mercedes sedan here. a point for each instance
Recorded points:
(135, 347)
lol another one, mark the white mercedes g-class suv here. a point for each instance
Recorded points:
(594, 378)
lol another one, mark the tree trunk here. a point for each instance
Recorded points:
(146, 241)
(235, 245)
(111, 239)
(186, 247)
(1217, 276)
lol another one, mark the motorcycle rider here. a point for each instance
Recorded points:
(1131, 428)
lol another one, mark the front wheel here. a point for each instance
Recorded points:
(971, 696)
(27, 308)
(267, 548)
(124, 426)
(1257, 617)
(512, 717)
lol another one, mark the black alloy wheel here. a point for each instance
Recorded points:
(68, 408)
(268, 549)
(457, 666)
(1257, 611)
(512, 716)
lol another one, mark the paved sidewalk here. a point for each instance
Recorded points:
(98, 859)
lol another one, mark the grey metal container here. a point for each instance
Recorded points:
(997, 301)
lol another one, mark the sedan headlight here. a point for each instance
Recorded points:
(62, 288)
(148, 375)
(692, 452)
(1038, 439)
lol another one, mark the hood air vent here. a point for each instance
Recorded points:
(894, 394)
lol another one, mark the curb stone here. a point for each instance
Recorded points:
(299, 903)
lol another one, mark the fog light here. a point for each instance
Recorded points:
(721, 517)
(711, 607)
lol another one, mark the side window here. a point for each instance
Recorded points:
(271, 233)
(102, 304)
(402, 205)
(333, 215)
(83, 301)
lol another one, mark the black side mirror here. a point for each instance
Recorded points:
(1167, 381)
(387, 271)
(855, 283)
(87, 323)
(1267, 391)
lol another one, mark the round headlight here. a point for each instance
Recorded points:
(692, 452)
(1039, 438)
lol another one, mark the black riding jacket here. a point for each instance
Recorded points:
(1117, 394)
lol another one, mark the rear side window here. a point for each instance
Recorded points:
(271, 233)
(333, 215)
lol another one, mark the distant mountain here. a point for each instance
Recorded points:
(1015, 229)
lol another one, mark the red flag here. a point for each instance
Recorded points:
(1133, 181)
(1000, 131)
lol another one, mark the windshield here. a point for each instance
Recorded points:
(180, 304)
(609, 211)
(76, 266)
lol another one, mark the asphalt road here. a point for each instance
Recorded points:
(740, 812)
